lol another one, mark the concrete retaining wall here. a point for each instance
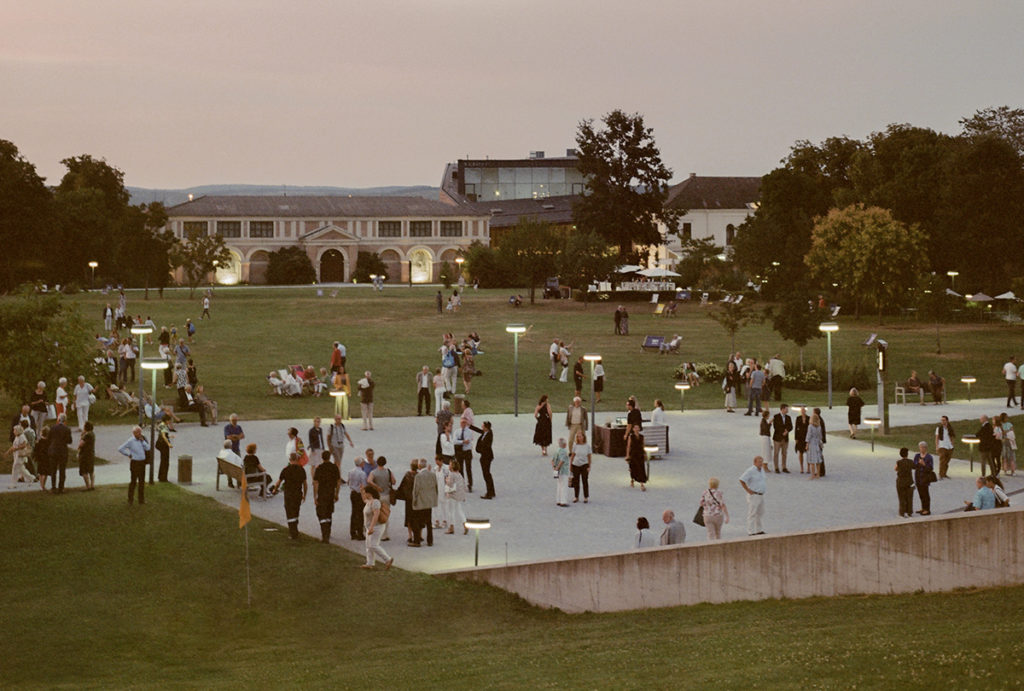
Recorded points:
(935, 553)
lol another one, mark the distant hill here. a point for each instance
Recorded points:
(143, 195)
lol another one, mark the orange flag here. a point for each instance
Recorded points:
(244, 514)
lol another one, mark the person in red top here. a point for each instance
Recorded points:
(336, 362)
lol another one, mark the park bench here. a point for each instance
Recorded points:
(652, 343)
(235, 472)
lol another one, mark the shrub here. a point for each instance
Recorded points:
(707, 371)
(290, 266)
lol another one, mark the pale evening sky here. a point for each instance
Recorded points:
(385, 93)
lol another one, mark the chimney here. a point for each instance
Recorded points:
(693, 175)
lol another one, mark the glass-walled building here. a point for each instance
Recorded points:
(537, 177)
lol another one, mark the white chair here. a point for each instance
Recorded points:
(899, 390)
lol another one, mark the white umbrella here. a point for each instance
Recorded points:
(1008, 295)
(950, 291)
(628, 268)
(657, 273)
(979, 297)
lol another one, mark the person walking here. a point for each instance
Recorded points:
(560, 463)
(374, 518)
(905, 483)
(944, 437)
(637, 459)
(135, 449)
(81, 401)
(674, 532)
(60, 440)
(326, 486)
(295, 487)
(580, 463)
(366, 386)
(753, 483)
(924, 471)
(1010, 374)
(337, 435)
(715, 511)
(19, 452)
(356, 481)
(424, 381)
(854, 405)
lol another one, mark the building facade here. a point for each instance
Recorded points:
(715, 207)
(413, 236)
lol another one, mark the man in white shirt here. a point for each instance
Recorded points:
(553, 356)
(424, 380)
(776, 372)
(1010, 372)
(753, 482)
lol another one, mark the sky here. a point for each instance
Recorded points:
(361, 94)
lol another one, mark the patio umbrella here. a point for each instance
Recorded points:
(950, 291)
(1008, 295)
(628, 269)
(979, 297)
(657, 273)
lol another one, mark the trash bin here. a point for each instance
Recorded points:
(185, 469)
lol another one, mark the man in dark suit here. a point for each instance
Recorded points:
(60, 440)
(483, 447)
(782, 425)
(989, 446)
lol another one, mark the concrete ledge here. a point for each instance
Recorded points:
(934, 553)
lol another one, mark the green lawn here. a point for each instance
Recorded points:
(394, 333)
(103, 595)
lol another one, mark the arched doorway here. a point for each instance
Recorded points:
(258, 267)
(332, 267)
(422, 266)
(230, 274)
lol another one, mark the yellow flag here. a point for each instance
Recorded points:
(244, 514)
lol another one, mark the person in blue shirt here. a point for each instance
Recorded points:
(984, 498)
(136, 449)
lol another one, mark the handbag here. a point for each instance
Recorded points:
(92, 398)
(51, 411)
(932, 477)
(698, 517)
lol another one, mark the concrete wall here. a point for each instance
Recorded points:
(934, 553)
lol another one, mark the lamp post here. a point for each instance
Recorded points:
(339, 402)
(152, 364)
(92, 281)
(682, 387)
(971, 441)
(952, 277)
(828, 328)
(968, 381)
(458, 267)
(141, 331)
(477, 524)
(593, 359)
(515, 330)
(872, 422)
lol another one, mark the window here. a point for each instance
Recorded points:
(389, 229)
(261, 229)
(730, 234)
(687, 231)
(195, 228)
(451, 229)
(229, 229)
(419, 229)
(577, 188)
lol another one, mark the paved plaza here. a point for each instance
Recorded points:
(527, 525)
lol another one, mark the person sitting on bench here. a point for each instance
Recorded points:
(187, 402)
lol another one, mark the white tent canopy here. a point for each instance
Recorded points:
(979, 297)
(1008, 295)
(657, 273)
(628, 268)
(950, 291)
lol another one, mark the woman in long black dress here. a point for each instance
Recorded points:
(854, 404)
(542, 432)
(637, 459)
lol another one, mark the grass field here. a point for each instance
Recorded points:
(394, 333)
(104, 595)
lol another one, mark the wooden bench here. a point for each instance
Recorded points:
(234, 472)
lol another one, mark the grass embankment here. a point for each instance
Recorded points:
(106, 595)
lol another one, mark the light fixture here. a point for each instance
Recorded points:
(477, 524)
(872, 422)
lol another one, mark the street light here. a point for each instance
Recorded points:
(971, 441)
(458, 264)
(153, 364)
(92, 282)
(141, 331)
(593, 359)
(682, 387)
(952, 277)
(515, 330)
(828, 328)
(477, 524)
(339, 403)
(872, 422)
(968, 381)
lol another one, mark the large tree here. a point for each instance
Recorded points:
(198, 254)
(626, 183)
(26, 217)
(866, 251)
(797, 319)
(733, 316)
(585, 258)
(1004, 122)
(531, 253)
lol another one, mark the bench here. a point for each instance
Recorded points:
(652, 343)
(234, 472)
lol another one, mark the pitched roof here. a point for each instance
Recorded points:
(317, 207)
(507, 212)
(697, 192)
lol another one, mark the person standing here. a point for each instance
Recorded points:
(598, 382)
(715, 510)
(336, 436)
(439, 301)
(374, 518)
(777, 369)
(61, 399)
(206, 308)
(756, 386)
(135, 449)
(553, 356)
(87, 456)
(765, 433)
(618, 320)
(634, 418)
(560, 463)
(464, 450)
(674, 532)
(542, 431)
(82, 400)
(814, 446)
(624, 322)
(484, 447)
(424, 380)
(753, 482)
(854, 405)
(1009, 443)
(988, 442)
(439, 389)
(366, 386)
(356, 481)
(108, 318)
(1010, 374)
(580, 460)
(730, 385)
(944, 437)
(564, 351)
(60, 440)
(295, 487)
(782, 425)
(924, 466)
(637, 458)
(37, 404)
(456, 491)
(326, 486)
(905, 483)
(424, 500)
(575, 420)
(801, 423)
(316, 447)
(577, 375)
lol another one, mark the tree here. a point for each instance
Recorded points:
(26, 216)
(626, 183)
(1003, 122)
(866, 251)
(368, 263)
(700, 263)
(198, 255)
(733, 316)
(445, 274)
(585, 258)
(43, 338)
(797, 319)
(483, 264)
(290, 266)
(530, 252)
(934, 303)
(145, 251)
